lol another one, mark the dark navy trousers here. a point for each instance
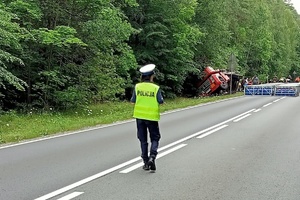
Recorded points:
(143, 126)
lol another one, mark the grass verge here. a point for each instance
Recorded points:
(16, 127)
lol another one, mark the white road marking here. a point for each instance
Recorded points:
(108, 125)
(212, 131)
(203, 131)
(196, 106)
(71, 196)
(86, 180)
(267, 104)
(63, 135)
(103, 173)
(158, 156)
(103, 126)
(243, 117)
(257, 110)
(278, 99)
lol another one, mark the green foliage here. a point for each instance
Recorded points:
(112, 58)
(71, 97)
(259, 51)
(168, 38)
(255, 31)
(27, 12)
(9, 43)
(15, 127)
(285, 33)
(52, 77)
(61, 36)
(71, 53)
(101, 79)
(214, 48)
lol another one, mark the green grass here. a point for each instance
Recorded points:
(18, 127)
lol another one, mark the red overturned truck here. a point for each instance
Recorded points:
(212, 82)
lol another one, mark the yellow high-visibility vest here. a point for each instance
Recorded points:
(146, 105)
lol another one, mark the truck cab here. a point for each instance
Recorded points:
(212, 81)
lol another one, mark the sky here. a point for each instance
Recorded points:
(296, 4)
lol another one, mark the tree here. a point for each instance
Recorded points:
(10, 33)
(167, 37)
(68, 42)
(214, 49)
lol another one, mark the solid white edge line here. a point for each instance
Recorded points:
(104, 126)
(200, 105)
(158, 156)
(71, 196)
(243, 117)
(61, 135)
(212, 131)
(86, 180)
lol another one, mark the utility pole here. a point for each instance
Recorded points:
(294, 73)
(231, 63)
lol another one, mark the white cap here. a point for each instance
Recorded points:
(147, 70)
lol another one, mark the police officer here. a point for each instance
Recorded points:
(146, 98)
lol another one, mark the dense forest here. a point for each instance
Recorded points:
(58, 54)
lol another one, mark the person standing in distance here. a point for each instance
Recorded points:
(146, 98)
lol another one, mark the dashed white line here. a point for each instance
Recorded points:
(103, 173)
(212, 131)
(102, 126)
(278, 99)
(203, 131)
(243, 117)
(257, 110)
(86, 180)
(158, 156)
(267, 105)
(71, 196)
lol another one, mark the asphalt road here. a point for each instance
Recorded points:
(238, 149)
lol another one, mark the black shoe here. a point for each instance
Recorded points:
(146, 166)
(151, 164)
